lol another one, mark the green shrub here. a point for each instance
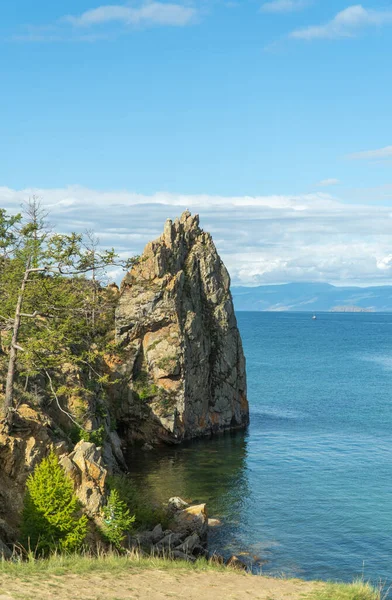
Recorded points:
(143, 387)
(49, 519)
(96, 436)
(167, 362)
(359, 590)
(117, 519)
(146, 514)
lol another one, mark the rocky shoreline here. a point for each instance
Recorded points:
(175, 371)
(88, 466)
(185, 539)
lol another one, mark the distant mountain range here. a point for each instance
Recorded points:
(312, 297)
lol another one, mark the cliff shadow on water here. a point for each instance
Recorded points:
(212, 470)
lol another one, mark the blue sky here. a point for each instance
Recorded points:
(286, 99)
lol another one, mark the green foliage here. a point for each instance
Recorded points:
(70, 330)
(147, 515)
(117, 519)
(144, 388)
(8, 234)
(358, 590)
(167, 362)
(154, 345)
(97, 436)
(167, 401)
(110, 563)
(50, 521)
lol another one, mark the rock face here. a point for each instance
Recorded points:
(19, 454)
(183, 358)
(22, 451)
(85, 467)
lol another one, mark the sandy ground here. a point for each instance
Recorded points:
(153, 585)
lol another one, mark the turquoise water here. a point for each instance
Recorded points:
(307, 490)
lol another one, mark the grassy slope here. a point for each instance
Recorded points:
(111, 577)
(354, 591)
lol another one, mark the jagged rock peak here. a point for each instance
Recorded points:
(167, 254)
(184, 362)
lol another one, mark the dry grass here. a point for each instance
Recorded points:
(134, 577)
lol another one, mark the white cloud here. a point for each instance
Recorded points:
(106, 22)
(385, 263)
(284, 6)
(345, 24)
(328, 182)
(262, 239)
(380, 154)
(150, 13)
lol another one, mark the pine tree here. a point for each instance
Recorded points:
(52, 313)
(117, 519)
(50, 520)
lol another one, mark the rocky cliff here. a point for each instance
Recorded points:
(176, 372)
(34, 435)
(183, 362)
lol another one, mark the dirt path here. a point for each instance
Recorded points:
(153, 585)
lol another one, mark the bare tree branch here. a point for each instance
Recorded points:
(58, 402)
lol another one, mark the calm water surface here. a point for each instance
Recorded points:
(308, 488)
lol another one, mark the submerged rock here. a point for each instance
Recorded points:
(214, 522)
(183, 356)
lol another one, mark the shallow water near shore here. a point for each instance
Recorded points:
(307, 490)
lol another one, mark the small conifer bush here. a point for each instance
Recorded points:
(117, 519)
(50, 518)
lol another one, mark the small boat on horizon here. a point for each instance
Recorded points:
(314, 317)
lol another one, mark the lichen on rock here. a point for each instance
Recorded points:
(183, 361)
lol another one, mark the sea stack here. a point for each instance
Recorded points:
(183, 360)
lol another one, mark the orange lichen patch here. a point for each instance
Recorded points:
(173, 281)
(170, 385)
(214, 418)
(96, 473)
(112, 360)
(170, 334)
(202, 422)
(146, 268)
(244, 402)
(28, 413)
(154, 337)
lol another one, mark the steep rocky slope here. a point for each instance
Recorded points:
(183, 361)
(33, 437)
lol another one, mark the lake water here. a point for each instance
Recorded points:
(307, 490)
